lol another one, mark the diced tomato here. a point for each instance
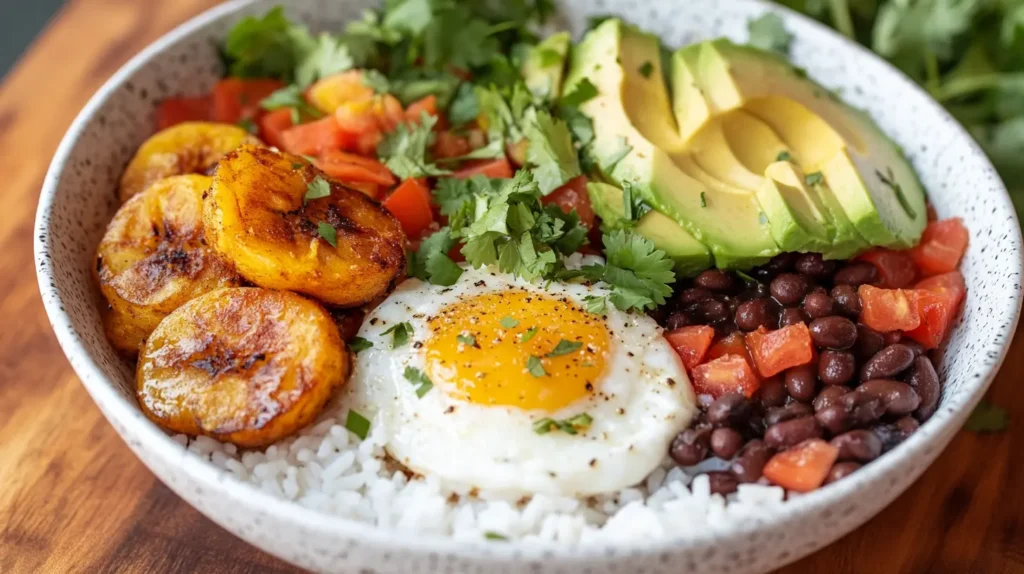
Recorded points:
(448, 145)
(734, 344)
(573, 195)
(273, 124)
(410, 204)
(313, 137)
(938, 303)
(776, 351)
(389, 112)
(174, 111)
(235, 99)
(804, 467)
(888, 309)
(352, 168)
(495, 168)
(517, 152)
(414, 112)
(726, 374)
(357, 118)
(896, 269)
(329, 93)
(692, 343)
(367, 143)
(942, 246)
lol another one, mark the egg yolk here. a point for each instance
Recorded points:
(517, 348)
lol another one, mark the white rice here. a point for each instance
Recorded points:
(327, 468)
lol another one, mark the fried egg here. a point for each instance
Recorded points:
(515, 389)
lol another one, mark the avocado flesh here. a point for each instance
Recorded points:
(544, 66)
(633, 106)
(662, 230)
(866, 171)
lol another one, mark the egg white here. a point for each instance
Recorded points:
(642, 400)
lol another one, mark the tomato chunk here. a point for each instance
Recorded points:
(448, 145)
(888, 309)
(726, 374)
(691, 343)
(273, 125)
(802, 468)
(942, 246)
(938, 303)
(776, 351)
(495, 168)
(174, 111)
(313, 137)
(410, 204)
(895, 268)
(573, 195)
(235, 99)
(414, 112)
(734, 344)
(351, 168)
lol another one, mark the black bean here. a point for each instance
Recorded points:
(792, 432)
(794, 410)
(772, 393)
(856, 273)
(843, 414)
(841, 470)
(898, 398)
(828, 397)
(836, 367)
(690, 297)
(913, 346)
(754, 427)
(887, 363)
(890, 435)
(725, 442)
(814, 265)
(730, 409)
(925, 381)
(869, 342)
(715, 280)
(755, 313)
(833, 332)
(789, 288)
(892, 337)
(690, 446)
(750, 461)
(781, 263)
(678, 319)
(792, 316)
(860, 445)
(722, 482)
(713, 310)
(756, 290)
(802, 383)
(847, 302)
(907, 425)
(818, 305)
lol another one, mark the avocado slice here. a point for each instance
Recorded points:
(544, 65)
(876, 186)
(690, 256)
(632, 112)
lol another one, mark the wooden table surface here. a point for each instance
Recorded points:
(74, 499)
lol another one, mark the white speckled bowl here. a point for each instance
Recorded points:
(79, 194)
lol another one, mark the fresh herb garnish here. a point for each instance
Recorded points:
(815, 178)
(535, 367)
(316, 189)
(640, 275)
(572, 425)
(550, 152)
(508, 322)
(247, 124)
(529, 334)
(744, 276)
(359, 344)
(431, 261)
(357, 424)
(646, 69)
(595, 304)
(633, 205)
(400, 334)
(783, 156)
(987, 418)
(404, 151)
(769, 33)
(703, 199)
(328, 233)
(468, 340)
(564, 347)
(293, 98)
(490, 535)
(329, 56)
(582, 92)
(420, 379)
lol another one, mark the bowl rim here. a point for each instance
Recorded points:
(115, 407)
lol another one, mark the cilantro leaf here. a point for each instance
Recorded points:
(580, 125)
(357, 424)
(359, 344)
(582, 92)
(640, 275)
(270, 46)
(400, 333)
(535, 367)
(633, 205)
(769, 33)
(509, 322)
(529, 334)
(564, 347)
(464, 107)
(595, 304)
(987, 417)
(551, 152)
(813, 179)
(420, 379)
(316, 189)
(290, 96)
(431, 261)
(404, 151)
(646, 69)
(572, 425)
(328, 233)
(329, 56)
(469, 340)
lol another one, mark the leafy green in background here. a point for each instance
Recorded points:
(968, 54)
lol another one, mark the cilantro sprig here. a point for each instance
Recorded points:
(572, 425)
(640, 275)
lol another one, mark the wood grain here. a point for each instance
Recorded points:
(74, 499)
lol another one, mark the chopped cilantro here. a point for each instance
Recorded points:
(468, 340)
(267, 47)
(646, 69)
(420, 379)
(316, 189)
(290, 97)
(357, 424)
(564, 347)
(815, 178)
(535, 367)
(640, 275)
(328, 233)
(769, 33)
(359, 344)
(400, 334)
(633, 205)
(329, 56)
(987, 418)
(247, 124)
(551, 153)
(431, 261)
(581, 92)
(376, 81)
(529, 334)
(572, 425)
(595, 304)
(509, 322)
(783, 156)
(703, 199)
(491, 535)
(404, 151)
(464, 107)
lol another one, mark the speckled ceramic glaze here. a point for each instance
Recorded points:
(79, 194)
